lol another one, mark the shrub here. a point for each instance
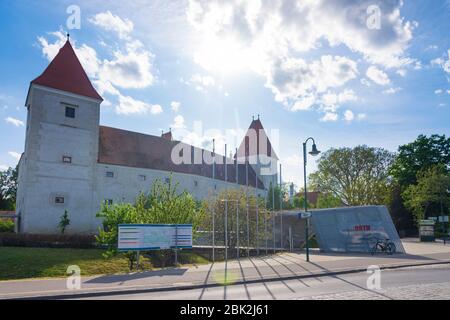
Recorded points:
(6, 226)
(163, 204)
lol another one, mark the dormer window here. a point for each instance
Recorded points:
(70, 112)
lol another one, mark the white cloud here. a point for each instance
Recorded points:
(378, 76)
(293, 160)
(111, 22)
(3, 167)
(201, 82)
(401, 72)
(14, 121)
(128, 105)
(15, 155)
(132, 69)
(349, 116)
(443, 63)
(392, 90)
(438, 91)
(175, 105)
(178, 122)
(329, 117)
(299, 84)
(361, 116)
(448, 91)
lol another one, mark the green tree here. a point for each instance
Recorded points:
(8, 188)
(429, 197)
(412, 158)
(419, 155)
(356, 176)
(162, 205)
(325, 201)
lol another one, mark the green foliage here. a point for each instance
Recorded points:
(8, 188)
(163, 204)
(356, 176)
(429, 197)
(325, 201)
(64, 222)
(277, 194)
(419, 155)
(6, 226)
(299, 202)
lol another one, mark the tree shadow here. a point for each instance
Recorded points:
(138, 275)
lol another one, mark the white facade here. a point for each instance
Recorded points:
(48, 184)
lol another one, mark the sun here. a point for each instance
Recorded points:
(223, 55)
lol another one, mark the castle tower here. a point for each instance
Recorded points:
(257, 149)
(57, 168)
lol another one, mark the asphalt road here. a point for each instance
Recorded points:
(431, 282)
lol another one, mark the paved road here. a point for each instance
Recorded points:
(431, 282)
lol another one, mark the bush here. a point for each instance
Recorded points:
(6, 226)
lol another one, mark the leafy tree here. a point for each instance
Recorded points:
(419, 155)
(356, 176)
(64, 222)
(8, 188)
(430, 196)
(163, 204)
(325, 201)
(277, 193)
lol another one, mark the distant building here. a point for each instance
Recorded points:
(73, 163)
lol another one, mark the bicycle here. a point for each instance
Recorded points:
(385, 245)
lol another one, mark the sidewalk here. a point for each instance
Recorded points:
(277, 267)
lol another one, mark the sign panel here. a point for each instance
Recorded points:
(304, 215)
(141, 237)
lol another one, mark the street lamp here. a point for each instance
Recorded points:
(314, 152)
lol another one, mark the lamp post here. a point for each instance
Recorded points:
(313, 152)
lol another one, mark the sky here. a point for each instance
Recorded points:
(345, 72)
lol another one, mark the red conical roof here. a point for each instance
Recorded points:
(249, 147)
(66, 73)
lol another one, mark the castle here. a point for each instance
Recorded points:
(71, 162)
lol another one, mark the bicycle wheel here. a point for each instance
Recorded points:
(390, 248)
(374, 249)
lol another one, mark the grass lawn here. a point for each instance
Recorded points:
(21, 263)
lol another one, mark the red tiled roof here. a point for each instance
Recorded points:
(249, 147)
(66, 73)
(132, 149)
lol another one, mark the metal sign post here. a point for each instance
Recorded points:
(213, 218)
(226, 208)
(176, 245)
(237, 206)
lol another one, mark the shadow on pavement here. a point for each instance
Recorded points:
(138, 275)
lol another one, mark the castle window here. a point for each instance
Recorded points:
(109, 202)
(142, 177)
(59, 200)
(70, 112)
(195, 183)
(109, 174)
(67, 159)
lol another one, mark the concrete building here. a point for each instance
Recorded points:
(72, 163)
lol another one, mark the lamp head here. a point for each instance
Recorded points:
(314, 151)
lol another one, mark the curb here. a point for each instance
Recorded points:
(98, 293)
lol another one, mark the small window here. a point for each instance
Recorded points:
(142, 177)
(109, 202)
(109, 174)
(195, 183)
(167, 180)
(70, 112)
(67, 159)
(59, 200)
